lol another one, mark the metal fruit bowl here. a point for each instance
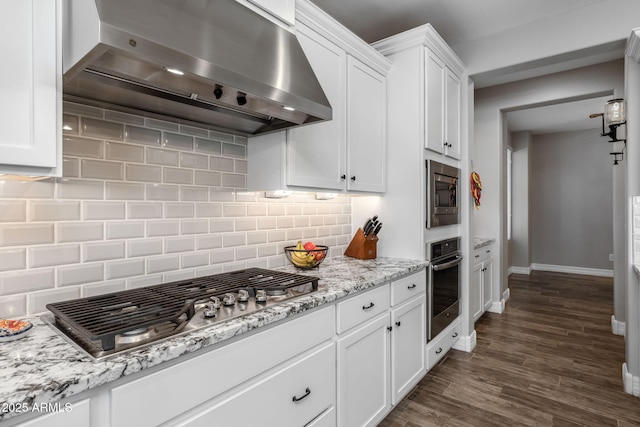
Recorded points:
(303, 258)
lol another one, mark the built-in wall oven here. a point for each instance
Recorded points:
(443, 296)
(443, 195)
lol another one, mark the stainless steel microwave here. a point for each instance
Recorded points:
(443, 194)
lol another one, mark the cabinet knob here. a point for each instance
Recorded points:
(439, 350)
(298, 399)
(353, 178)
(343, 176)
(398, 324)
(389, 328)
(413, 285)
(367, 307)
(454, 335)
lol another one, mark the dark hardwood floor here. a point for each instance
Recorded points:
(549, 360)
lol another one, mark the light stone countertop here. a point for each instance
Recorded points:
(44, 368)
(479, 242)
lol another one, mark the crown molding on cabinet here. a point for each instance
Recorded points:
(315, 18)
(633, 45)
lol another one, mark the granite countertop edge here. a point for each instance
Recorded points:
(480, 242)
(44, 367)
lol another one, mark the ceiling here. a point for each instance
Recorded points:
(462, 21)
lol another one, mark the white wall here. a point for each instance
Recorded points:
(572, 201)
(520, 244)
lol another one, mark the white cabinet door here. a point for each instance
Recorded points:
(487, 283)
(408, 339)
(476, 306)
(316, 154)
(435, 72)
(30, 105)
(366, 127)
(453, 114)
(363, 374)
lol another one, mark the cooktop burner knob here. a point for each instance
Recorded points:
(215, 302)
(243, 295)
(261, 296)
(229, 299)
(210, 310)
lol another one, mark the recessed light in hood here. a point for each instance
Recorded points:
(240, 70)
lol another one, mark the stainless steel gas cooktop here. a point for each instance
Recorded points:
(110, 324)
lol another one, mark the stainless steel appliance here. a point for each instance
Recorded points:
(443, 296)
(214, 62)
(443, 195)
(107, 325)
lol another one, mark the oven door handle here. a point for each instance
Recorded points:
(445, 265)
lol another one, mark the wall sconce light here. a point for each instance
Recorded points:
(614, 116)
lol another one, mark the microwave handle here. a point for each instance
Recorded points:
(445, 265)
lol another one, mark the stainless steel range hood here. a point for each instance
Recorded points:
(240, 71)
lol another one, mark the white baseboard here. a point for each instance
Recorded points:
(467, 343)
(520, 270)
(574, 270)
(497, 307)
(617, 327)
(506, 295)
(631, 383)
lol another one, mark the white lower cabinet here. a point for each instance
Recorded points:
(380, 354)
(75, 414)
(481, 282)
(440, 345)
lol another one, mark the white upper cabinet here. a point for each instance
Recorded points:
(443, 103)
(31, 102)
(366, 127)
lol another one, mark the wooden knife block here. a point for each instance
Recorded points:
(361, 246)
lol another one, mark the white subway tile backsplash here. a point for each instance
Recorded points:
(142, 135)
(177, 141)
(177, 176)
(102, 288)
(179, 244)
(234, 239)
(13, 211)
(13, 259)
(158, 264)
(208, 210)
(315, 221)
(104, 210)
(82, 147)
(143, 173)
(208, 146)
(144, 247)
(38, 300)
(234, 180)
(124, 268)
(46, 256)
(124, 152)
(195, 259)
(80, 274)
(27, 189)
(210, 241)
(13, 306)
(18, 282)
(102, 251)
(194, 226)
(144, 210)
(80, 189)
(194, 194)
(44, 210)
(124, 191)
(101, 129)
(145, 201)
(207, 178)
(194, 161)
(124, 230)
(101, 169)
(24, 234)
(157, 156)
(79, 231)
(163, 228)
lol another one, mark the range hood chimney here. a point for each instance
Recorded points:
(214, 62)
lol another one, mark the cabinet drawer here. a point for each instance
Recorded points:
(201, 378)
(482, 254)
(407, 287)
(438, 347)
(294, 396)
(326, 419)
(362, 307)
